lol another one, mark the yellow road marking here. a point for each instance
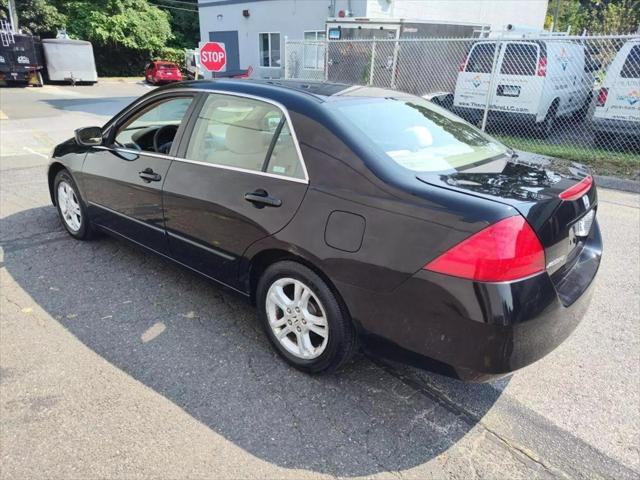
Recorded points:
(3, 116)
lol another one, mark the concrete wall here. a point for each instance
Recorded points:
(496, 13)
(288, 17)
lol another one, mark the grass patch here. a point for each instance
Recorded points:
(625, 164)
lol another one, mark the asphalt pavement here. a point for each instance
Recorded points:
(118, 364)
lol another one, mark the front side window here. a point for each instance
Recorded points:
(269, 49)
(153, 129)
(414, 135)
(481, 58)
(520, 59)
(631, 67)
(314, 50)
(244, 133)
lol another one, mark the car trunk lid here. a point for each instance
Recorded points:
(534, 188)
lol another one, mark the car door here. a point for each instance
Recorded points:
(123, 178)
(474, 78)
(519, 83)
(238, 177)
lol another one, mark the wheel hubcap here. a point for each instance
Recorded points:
(69, 206)
(297, 318)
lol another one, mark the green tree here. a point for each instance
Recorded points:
(595, 16)
(37, 17)
(124, 33)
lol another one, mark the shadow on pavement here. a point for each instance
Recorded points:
(96, 106)
(203, 349)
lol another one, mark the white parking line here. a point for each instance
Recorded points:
(30, 150)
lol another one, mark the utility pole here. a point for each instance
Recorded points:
(13, 15)
(554, 25)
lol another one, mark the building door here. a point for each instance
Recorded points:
(230, 40)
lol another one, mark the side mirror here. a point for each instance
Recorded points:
(89, 136)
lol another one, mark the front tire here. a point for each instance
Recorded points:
(70, 205)
(304, 319)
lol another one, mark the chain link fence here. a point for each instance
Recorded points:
(576, 98)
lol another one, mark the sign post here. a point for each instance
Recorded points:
(213, 57)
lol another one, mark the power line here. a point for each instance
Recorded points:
(195, 4)
(173, 8)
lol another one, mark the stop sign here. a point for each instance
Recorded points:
(213, 56)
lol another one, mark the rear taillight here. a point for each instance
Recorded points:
(505, 251)
(578, 190)
(602, 97)
(463, 65)
(542, 67)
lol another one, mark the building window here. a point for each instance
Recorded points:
(269, 49)
(314, 52)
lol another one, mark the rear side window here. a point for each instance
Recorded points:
(519, 59)
(481, 58)
(631, 67)
(244, 133)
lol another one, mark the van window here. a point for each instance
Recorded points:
(481, 58)
(631, 67)
(519, 59)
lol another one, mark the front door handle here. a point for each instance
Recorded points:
(260, 198)
(148, 175)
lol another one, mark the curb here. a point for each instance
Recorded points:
(616, 183)
(120, 79)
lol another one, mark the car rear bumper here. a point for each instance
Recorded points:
(474, 115)
(477, 331)
(617, 127)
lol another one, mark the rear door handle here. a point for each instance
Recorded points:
(260, 198)
(148, 175)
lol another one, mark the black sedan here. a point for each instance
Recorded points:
(349, 216)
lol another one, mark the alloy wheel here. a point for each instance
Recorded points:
(297, 318)
(69, 206)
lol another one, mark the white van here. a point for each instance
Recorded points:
(537, 81)
(617, 111)
(192, 64)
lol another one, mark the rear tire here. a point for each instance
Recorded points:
(604, 140)
(70, 206)
(581, 114)
(317, 335)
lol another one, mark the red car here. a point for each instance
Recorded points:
(160, 71)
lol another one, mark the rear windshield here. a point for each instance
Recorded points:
(481, 58)
(519, 59)
(164, 66)
(416, 136)
(631, 67)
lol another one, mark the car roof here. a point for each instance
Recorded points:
(319, 91)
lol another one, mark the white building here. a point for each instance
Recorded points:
(254, 30)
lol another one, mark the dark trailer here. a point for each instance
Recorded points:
(20, 60)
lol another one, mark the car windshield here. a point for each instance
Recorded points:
(419, 137)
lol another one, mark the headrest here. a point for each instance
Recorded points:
(245, 140)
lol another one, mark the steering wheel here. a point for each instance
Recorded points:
(163, 138)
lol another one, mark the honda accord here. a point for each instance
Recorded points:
(350, 216)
